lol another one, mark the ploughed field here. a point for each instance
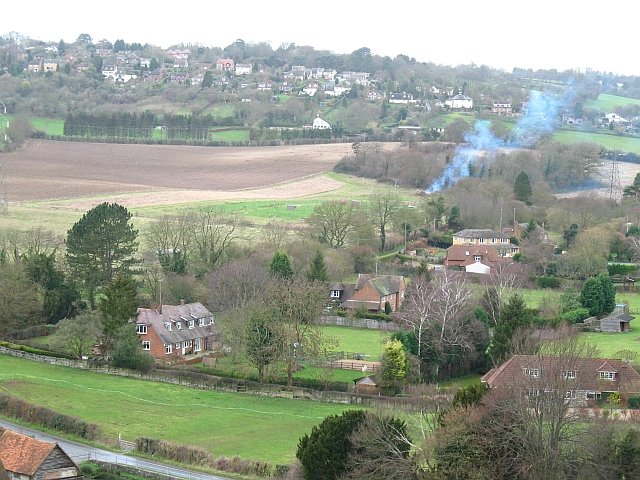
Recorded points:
(152, 174)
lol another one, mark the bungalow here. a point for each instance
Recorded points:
(581, 379)
(26, 458)
(401, 98)
(371, 292)
(174, 331)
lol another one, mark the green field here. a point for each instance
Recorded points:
(606, 140)
(240, 135)
(607, 103)
(357, 340)
(225, 424)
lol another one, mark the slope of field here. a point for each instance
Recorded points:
(606, 140)
(45, 170)
(607, 102)
(225, 424)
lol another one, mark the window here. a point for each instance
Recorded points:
(477, 258)
(167, 325)
(607, 375)
(191, 324)
(570, 394)
(532, 392)
(201, 322)
(146, 345)
(179, 325)
(185, 344)
(532, 372)
(569, 374)
(335, 293)
(211, 321)
(169, 349)
(141, 329)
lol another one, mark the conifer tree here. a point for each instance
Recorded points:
(317, 269)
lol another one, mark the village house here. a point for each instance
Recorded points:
(401, 98)
(225, 64)
(484, 237)
(501, 108)
(244, 69)
(374, 96)
(25, 458)
(459, 102)
(483, 259)
(49, 66)
(371, 292)
(582, 380)
(177, 333)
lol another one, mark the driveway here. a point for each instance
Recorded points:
(80, 453)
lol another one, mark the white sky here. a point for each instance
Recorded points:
(502, 34)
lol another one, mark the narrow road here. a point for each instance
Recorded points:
(80, 453)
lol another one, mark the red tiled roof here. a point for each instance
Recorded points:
(587, 372)
(463, 255)
(23, 454)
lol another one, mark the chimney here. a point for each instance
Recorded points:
(181, 301)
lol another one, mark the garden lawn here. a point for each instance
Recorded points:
(357, 340)
(225, 424)
(608, 344)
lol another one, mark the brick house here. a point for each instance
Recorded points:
(225, 64)
(371, 292)
(581, 379)
(173, 332)
(26, 458)
(474, 258)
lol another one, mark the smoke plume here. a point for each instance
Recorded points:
(538, 119)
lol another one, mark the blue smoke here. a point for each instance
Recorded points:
(539, 118)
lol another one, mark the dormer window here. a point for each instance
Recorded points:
(532, 372)
(569, 374)
(607, 375)
(167, 325)
(141, 329)
(201, 322)
(335, 293)
(179, 325)
(477, 258)
(191, 324)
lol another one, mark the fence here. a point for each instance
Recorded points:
(360, 323)
(211, 382)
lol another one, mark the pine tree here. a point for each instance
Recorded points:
(608, 293)
(592, 296)
(118, 305)
(522, 188)
(281, 266)
(317, 269)
(513, 316)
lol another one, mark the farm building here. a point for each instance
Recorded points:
(26, 458)
(366, 386)
(618, 321)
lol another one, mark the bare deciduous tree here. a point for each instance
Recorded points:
(214, 232)
(333, 221)
(172, 239)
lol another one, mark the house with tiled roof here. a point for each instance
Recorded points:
(26, 458)
(225, 64)
(178, 333)
(486, 237)
(580, 379)
(371, 292)
(474, 258)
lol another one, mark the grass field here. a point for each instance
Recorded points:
(357, 340)
(225, 424)
(240, 135)
(606, 102)
(610, 142)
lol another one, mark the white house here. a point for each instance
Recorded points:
(615, 118)
(459, 101)
(320, 124)
(243, 69)
(110, 71)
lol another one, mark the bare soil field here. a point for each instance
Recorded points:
(627, 171)
(163, 174)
